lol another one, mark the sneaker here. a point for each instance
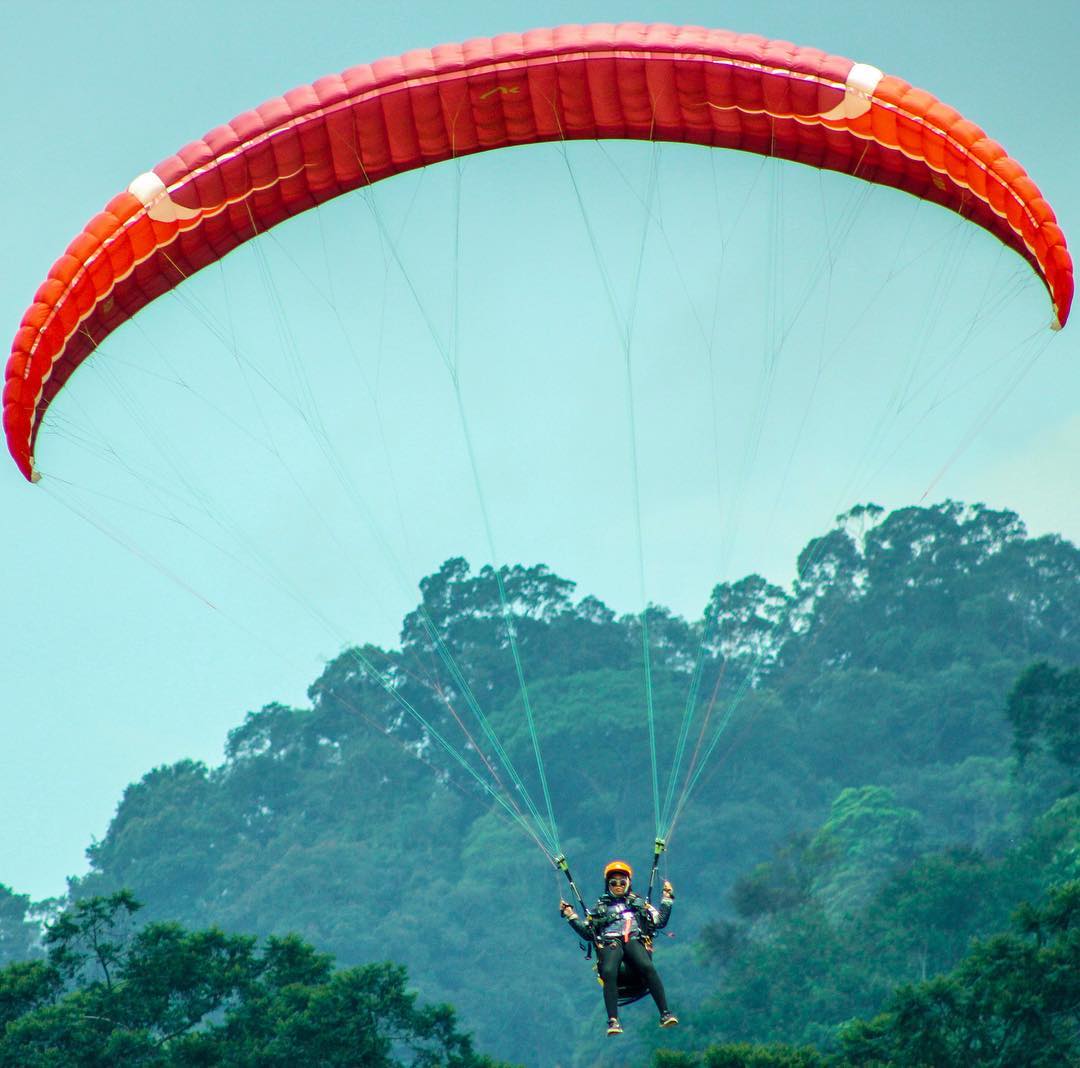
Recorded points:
(614, 1027)
(668, 1019)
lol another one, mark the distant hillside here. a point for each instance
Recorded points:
(858, 747)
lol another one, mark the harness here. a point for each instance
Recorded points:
(635, 912)
(630, 983)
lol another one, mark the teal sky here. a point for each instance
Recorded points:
(113, 660)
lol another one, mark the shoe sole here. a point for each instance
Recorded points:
(669, 1022)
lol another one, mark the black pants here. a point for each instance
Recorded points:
(611, 955)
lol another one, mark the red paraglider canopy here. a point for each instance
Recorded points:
(646, 82)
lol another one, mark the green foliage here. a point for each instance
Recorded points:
(980, 802)
(743, 1055)
(866, 837)
(1014, 1001)
(89, 940)
(922, 920)
(1051, 851)
(173, 811)
(782, 884)
(794, 970)
(18, 932)
(25, 986)
(165, 996)
(794, 981)
(1044, 710)
(861, 817)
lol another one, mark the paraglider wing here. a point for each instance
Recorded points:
(648, 82)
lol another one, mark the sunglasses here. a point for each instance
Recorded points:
(618, 879)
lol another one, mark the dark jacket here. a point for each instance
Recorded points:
(620, 918)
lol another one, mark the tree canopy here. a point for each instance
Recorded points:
(114, 993)
(892, 771)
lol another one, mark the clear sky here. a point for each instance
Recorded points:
(112, 666)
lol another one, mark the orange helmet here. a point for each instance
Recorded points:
(618, 865)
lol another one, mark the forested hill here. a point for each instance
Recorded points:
(864, 734)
